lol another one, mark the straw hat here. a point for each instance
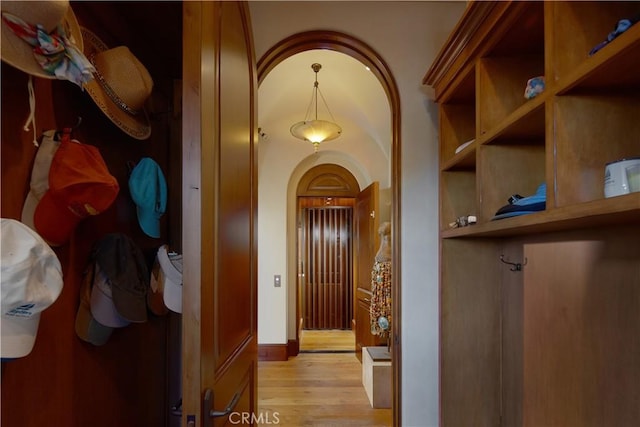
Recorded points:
(18, 53)
(121, 85)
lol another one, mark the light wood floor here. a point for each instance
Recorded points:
(327, 340)
(318, 389)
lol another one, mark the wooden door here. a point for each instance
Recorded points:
(366, 242)
(581, 345)
(327, 284)
(219, 215)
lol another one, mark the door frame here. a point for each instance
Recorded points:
(304, 283)
(357, 49)
(323, 180)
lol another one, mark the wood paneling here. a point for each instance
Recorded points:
(293, 347)
(273, 352)
(328, 180)
(581, 322)
(327, 268)
(73, 383)
(220, 210)
(192, 205)
(470, 339)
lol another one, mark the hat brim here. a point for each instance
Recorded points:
(172, 285)
(172, 295)
(155, 298)
(19, 54)
(149, 222)
(55, 224)
(18, 335)
(89, 329)
(102, 308)
(137, 126)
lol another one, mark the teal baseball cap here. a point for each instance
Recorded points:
(148, 189)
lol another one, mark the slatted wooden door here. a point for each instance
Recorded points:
(327, 267)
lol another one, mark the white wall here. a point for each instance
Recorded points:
(407, 35)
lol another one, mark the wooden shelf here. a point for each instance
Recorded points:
(613, 211)
(525, 123)
(615, 67)
(500, 359)
(464, 160)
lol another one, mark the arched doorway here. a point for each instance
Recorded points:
(359, 50)
(325, 199)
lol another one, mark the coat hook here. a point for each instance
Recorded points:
(66, 131)
(515, 266)
(78, 123)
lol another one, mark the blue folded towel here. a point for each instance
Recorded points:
(525, 205)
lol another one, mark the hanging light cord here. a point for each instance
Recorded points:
(314, 101)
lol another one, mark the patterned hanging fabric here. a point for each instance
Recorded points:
(380, 310)
(56, 53)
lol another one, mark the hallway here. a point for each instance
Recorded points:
(316, 389)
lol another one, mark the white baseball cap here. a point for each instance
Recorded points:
(171, 278)
(31, 280)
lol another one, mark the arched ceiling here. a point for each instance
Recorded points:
(354, 95)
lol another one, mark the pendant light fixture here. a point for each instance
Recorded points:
(316, 131)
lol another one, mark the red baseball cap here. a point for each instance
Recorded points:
(80, 185)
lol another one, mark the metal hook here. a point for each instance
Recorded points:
(515, 266)
(66, 132)
(78, 123)
(176, 410)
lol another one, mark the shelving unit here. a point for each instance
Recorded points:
(587, 116)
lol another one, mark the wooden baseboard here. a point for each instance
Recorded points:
(293, 348)
(273, 352)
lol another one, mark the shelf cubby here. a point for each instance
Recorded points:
(591, 131)
(458, 196)
(505, 170)
(526, 123)
(615, 68)
(577, 27)
(457, 126)
(464, 160)
(501, 86)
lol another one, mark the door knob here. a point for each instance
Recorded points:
(209, 414)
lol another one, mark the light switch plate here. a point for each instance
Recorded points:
(277, 281)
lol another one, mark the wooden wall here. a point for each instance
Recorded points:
(65, 381)
(553, 344)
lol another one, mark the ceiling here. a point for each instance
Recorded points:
(353, 94)
(355, 97)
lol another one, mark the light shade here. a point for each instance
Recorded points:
(316, 131)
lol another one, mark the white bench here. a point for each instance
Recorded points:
(377, 375)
